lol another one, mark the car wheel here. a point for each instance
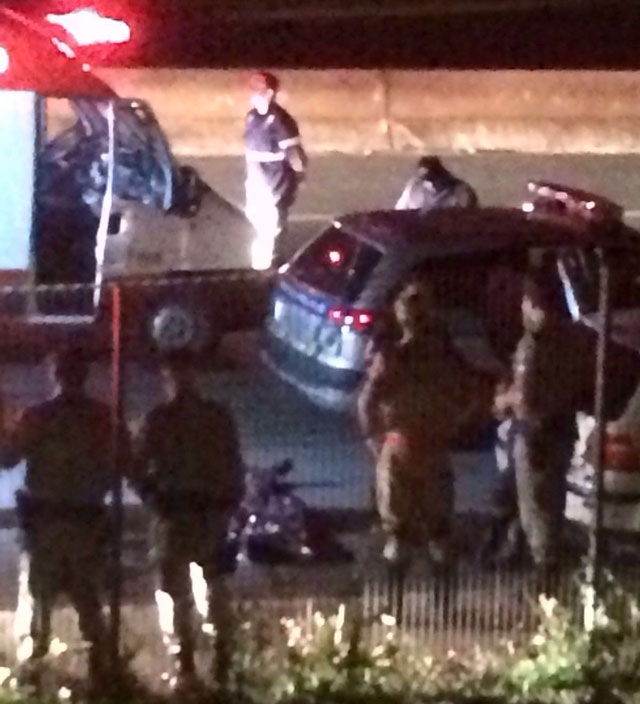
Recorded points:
(178, 327)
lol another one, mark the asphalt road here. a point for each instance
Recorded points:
(340, 183)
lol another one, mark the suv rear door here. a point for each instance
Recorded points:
(316, 297)
(480, 299)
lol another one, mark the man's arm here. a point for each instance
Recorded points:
(369, 400)
(138, 456)
(465, 196)
(16, 436)
(298, 159)
(404, 202)
(290, 142)
(233, 480)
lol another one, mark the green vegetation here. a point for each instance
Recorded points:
(340, 660)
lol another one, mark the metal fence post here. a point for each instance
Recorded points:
(396, 577)
(596, 543)
(117, 515)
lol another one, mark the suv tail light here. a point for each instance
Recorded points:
(359, 320)
(620, 453)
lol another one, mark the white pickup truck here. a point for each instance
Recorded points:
(91, 194)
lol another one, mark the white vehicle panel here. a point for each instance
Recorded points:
(17, 146)
(217, 237)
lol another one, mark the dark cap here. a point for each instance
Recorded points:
(430, 164)
(262, 81)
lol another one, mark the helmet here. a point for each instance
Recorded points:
(263, 81)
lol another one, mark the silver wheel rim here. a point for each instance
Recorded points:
(173, 328)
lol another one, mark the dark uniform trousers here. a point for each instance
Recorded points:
(550, 374)
(183, 538)
(65, 546)
(542, 454)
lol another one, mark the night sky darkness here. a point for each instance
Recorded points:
(186, 33)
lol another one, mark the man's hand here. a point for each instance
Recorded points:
(374, 446)
(298, 161)
(505, 400)
(14, 435)
(10, 414)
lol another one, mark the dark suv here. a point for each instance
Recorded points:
(328, 300)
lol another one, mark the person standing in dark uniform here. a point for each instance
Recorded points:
(547, 380)
(276, 164)
(433, 187)
(417, 394)
(190, 473)
(67, 443)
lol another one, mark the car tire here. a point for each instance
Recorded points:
(178, 326)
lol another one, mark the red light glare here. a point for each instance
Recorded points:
(358, 320)
(335, 256)
(364, 319)
(4, 60)
(89, 27)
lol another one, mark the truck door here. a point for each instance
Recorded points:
(146, 171)
(98, 155)
(74, 198)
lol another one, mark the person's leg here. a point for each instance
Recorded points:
(85, 560)
(391, 500)
(440, 548)
(220, 612)
(23, 625)
(541, 475)
(45, 572)
(221, 616)
(173, 552)
(262, 212)
(278, 256)
(42, 594)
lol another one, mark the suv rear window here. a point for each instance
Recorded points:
(336, 263)
(582, 268)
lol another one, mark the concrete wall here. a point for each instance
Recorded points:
(202, 111)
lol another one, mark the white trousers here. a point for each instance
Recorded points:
(263, 213)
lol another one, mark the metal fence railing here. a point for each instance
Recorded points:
(469, 604)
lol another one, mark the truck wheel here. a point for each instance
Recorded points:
(175, 327)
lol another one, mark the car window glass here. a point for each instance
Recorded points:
(336, 263)
(581, 270)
